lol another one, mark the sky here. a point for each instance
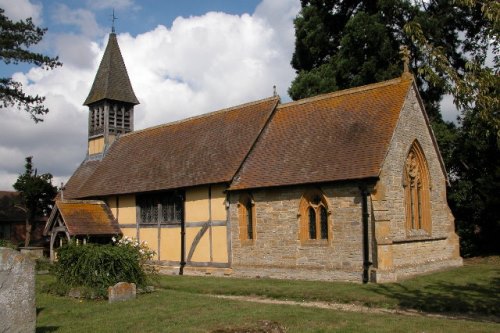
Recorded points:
(184, 58)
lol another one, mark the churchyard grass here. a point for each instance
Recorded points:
(185, 304)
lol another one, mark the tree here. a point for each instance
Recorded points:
(476, 86)
(36, 193)
(342, 44)
(474, 163)
(15, 40)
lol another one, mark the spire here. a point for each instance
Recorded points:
(112, 81)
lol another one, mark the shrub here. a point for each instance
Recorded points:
(100, 266)
(7, 243)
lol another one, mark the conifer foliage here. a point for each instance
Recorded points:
(15, 40)
(37, 194)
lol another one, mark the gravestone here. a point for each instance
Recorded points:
(17, 292)
(122, 291)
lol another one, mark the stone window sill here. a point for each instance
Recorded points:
(315, 242)
(247, 242)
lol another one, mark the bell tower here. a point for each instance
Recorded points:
(111, 101)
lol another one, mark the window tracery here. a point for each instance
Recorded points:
(314, 217)
(417, 191)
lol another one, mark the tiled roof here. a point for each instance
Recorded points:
(111, 80)
(85, 217)
(201, 150)
(339, 136)
(78, 179)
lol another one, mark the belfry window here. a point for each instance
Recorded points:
(161, 208)
(417, 191)
(314, 217)
(246, 216)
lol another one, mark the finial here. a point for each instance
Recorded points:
(405, 54)
(113, 19)
(274, 91)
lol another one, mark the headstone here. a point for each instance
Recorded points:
(122, 291)
(17, 292)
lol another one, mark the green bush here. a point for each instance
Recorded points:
(100, 266)
(7, 243)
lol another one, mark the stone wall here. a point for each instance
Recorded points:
(17, 292)
(277, 250)
(396, 253)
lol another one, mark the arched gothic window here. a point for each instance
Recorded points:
(416, 185)
(246, 215)
(314, 217)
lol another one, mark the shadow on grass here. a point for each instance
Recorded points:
(443, 297)
(46, 329)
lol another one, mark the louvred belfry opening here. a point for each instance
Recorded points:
(111, 100)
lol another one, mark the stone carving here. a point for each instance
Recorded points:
(412, 169)
(17, 292)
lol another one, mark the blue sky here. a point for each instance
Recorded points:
(184, 58)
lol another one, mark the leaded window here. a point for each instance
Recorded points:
(314, 216)
(161, 208)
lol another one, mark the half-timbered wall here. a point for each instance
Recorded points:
(205, 218)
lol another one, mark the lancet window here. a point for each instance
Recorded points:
(417, 190)
(246, 215)
(314, 217)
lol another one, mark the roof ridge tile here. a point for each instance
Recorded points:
(343, 92)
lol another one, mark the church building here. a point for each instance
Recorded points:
(348, 185)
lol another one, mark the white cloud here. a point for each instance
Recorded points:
(200, 64)
(21, 10)
(82, 18)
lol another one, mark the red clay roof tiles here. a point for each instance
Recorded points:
(201, 150)
(339, 136)
(85, 217)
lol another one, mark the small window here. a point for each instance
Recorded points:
(417, 191)
(314, 217)
(246, 212)
(162, 208)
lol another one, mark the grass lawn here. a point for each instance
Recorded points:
(184, 304)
